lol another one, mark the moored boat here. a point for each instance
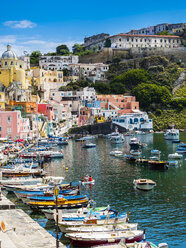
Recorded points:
(104, 228)
(144, 184)
(175, 156)
(97, 238)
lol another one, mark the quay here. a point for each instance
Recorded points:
(21, 231)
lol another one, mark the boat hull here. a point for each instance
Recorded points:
(90, 242)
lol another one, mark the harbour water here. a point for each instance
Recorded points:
(160, 211)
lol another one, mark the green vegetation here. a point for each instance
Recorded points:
(132, 78)
(152, 96)
(107, 43)
(164, 119)
(166, 32)
(62, 50)
(34, 57)
(80, 50)
(181, 92)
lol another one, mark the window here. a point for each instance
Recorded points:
(127, 39)
(9, 130)
(5, 62)
(53, 94)
(136, 40)
(140, 40)
(12, 63)
(120, 39)
(0, 129)
(62, 94)
(9, 119)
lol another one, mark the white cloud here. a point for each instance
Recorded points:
(8, 39)
(20, 24)
(22, 43)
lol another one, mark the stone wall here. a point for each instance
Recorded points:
(107, 54)
(99, 128)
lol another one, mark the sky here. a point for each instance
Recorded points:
(43, 25)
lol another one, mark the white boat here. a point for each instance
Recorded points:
(135, 152)
(154, 158)
(63, 225)
(119, 139)
(172, 134)
(89, 145)
(105, 228)
(155, 152)
(116, 153)
(99, 238)
(144, 244)
(144, 184)
(173, 162)
(175, 156)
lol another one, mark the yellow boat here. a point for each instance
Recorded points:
(62, 203)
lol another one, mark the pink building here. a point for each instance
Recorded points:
(13, 126)
(123, 104)
(47, 110)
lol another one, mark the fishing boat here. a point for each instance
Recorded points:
(142, 161)
(144, 184)
(155, 152)
(119, 139)
(21, 171)
(158, 164)
(62, 203)
(89, 145)
(172, 134)
(130, 158)
(97, 238)
(104, 228)
(85, 138)
(87, 180)
(90, 221)
(116, 153)
(135, 152)
(175, 156)
(173, 162)
(49, 213)
(142, 244)
(134, 143)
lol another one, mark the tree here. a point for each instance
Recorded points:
(117, 88)
(107, 43)
(166, 32)
(102, 88)
(62, 50)
(34, 57)
(132, 78)
(148, 94)
(77, 49)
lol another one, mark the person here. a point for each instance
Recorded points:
(90, 179)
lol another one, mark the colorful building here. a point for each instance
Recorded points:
(47, 110)
(13, 126)
(12, 70)
(116, 105)
(24, 107)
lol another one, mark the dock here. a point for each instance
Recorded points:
(21, 231)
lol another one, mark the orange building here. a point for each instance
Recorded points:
(28, 107)
(123, 104)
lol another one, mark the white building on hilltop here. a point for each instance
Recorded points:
(134, 121)
(57, 63)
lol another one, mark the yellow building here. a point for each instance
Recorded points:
(2, 100)
(11, 70)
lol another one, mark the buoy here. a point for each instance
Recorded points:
(63, 166)
(66, 168)
(168, 199)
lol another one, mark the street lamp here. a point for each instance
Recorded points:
(56, 193)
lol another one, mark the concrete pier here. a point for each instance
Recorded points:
(5, 203)
(22, 231)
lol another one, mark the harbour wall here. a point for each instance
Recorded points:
(99, 128)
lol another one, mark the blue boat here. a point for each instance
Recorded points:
(52, 198)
